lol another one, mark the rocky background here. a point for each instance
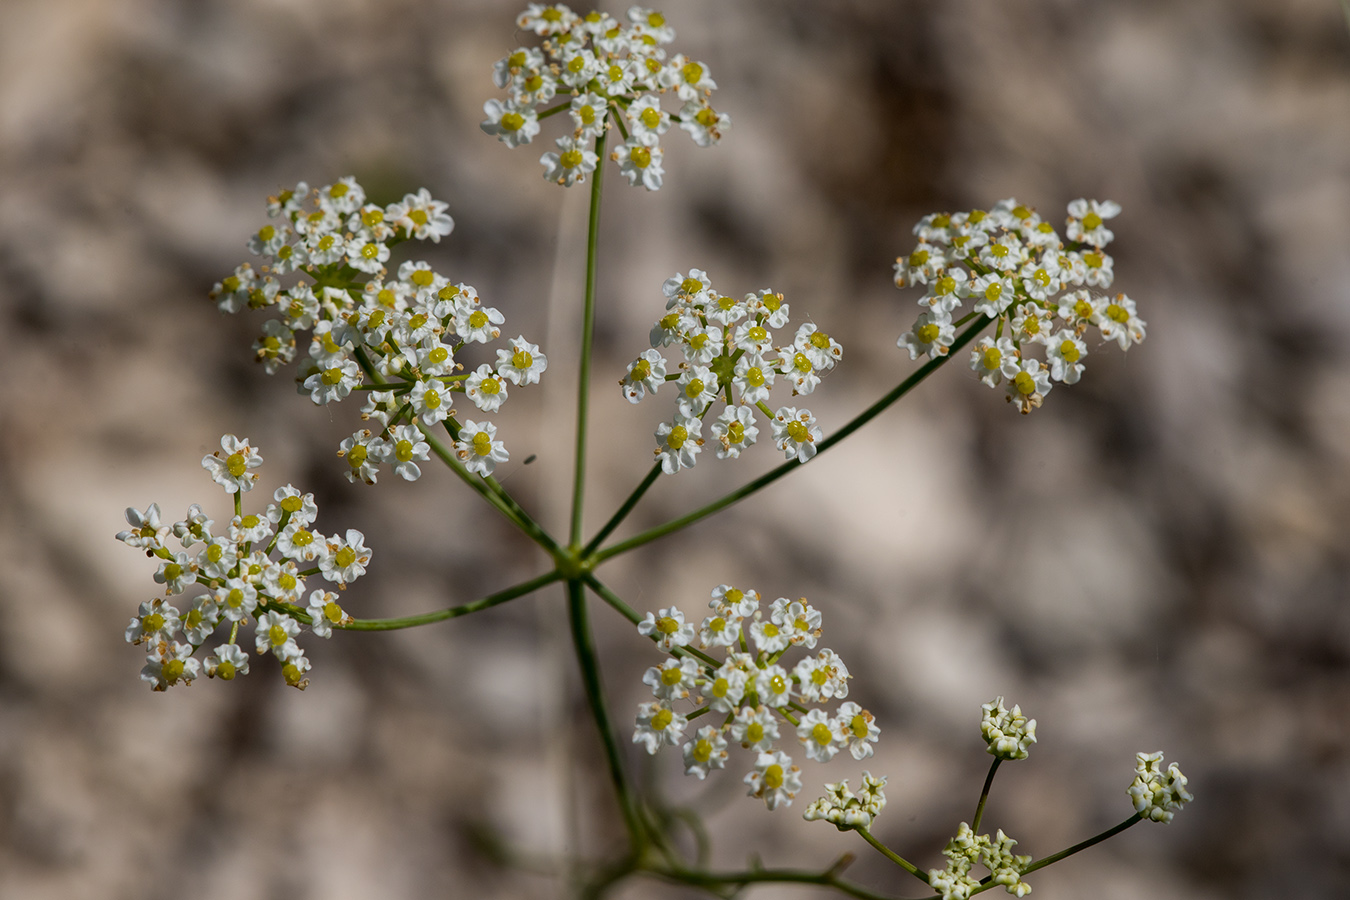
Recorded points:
(1155, 560)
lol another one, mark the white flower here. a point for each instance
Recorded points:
(640, 162)
(734, 430)
(753, 379)
(431, 401)
(799, 620)
(756, 728)
(703, 123)
(293, 506)
(155, 621)
(232, 471)
(1008, 733)
(512, 123)
(404, 447)
(816, 733)
(668, 627)
(856, 728)
(673, 678)
(236, 599)
(277, 632)
(646, 373)
(822, 677)
(993, 293)
(724, 688)
(706, 752)
(1121, 323)
(346, 560)
(1157, 795)
(176, 573)
(775, 779)
(299, 543)
(795, 433)
(334, 382)
(774, 686)
(994, 360)
(1029, 386)
(1086, 222)
(478, 448)
(571, 163)
(678, 443)
(932, 334)
(485, 389)
(227, 661)
(324, 613)
(523, 363)
(658, 725)
(147, 532)
(1063, 352)
(697, 388)
(361, 451)
(588, 111)
(176, 664)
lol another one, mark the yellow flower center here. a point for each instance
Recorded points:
(356, 457)
(1026, 385)
(1118, 313)
(1091, 222)
(651, 117)
(773, 777)
(225, 671)
(570, 159)
(671, 676)
(667, 625)
(482, 443)
(345, 557)
(276, 635)
(490, 386)
(675, 440)
(991, 358)
(754, 733)
(587, 114)
(702, 750)
(512, 121)
(151, 623)
(403, 451)
(332, 612)
(735, 434)
(330, 377)
(821, 734)
(799, 433)
(927, 333)
(236, 464)
(859, 726)
(1069, 351)
(522, 359)
(692, 72)
(661, 721)
(641, 157)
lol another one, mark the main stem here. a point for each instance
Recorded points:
(587, 338)
(584, 645)
(984, 795)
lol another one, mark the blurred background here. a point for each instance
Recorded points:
(1155, 560)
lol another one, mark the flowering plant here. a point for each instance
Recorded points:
(401, 337)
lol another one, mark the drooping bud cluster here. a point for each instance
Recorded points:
(390, 338)
(1157, 794)
(844, 809)
(251, 571)
(1008, 732)
(731, 355)
(613, 72)
(968, 849)
(1042, 293)
(749, 693)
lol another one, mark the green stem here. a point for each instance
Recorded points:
(584, 645)
(770, 477)
(454, 612)
(587, 338)
(487, 488)
(631, 615)
(893, 856)
(623, 511)
(1056, 857)
(984, 795)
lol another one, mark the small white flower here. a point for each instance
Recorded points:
(817, 735)
(511, 123)
(795, 433)
(756, 728)
(1008, 733)
(523, 363)
(668, 627)
(1157, 795)
(658, 725)
(706, 752)
(231, 471)
(856, 728)
(478, 448)
(678, 443)
(775, 779)
(773, 684)
(673, 679)
(346, 560)
(227, 661)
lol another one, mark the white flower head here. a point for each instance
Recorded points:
(1008, 733)
(707, 751)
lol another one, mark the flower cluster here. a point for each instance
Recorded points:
(611, 71)
(392, 338)
(844, 809)
(966, 850)
(1157, 794)
(750, 692)
(1015, 270)
(729, 351)
(253, 569)
(1008, 733)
